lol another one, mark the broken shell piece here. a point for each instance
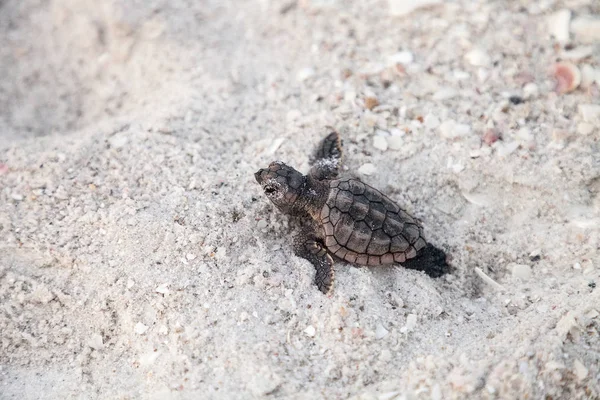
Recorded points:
(490, 136)
(568, 77)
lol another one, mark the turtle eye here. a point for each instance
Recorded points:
(269, 189)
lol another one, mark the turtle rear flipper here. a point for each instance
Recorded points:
(327, 158)
(430, 260)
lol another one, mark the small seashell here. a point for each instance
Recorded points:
(490, 136)
(568, 77)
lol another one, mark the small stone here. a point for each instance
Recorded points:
(371, 102)
(305, 73)
(521, 271)
(402, 57)
(431, 121)
(558, 25)
(118, 141)
(16, 196)
(452, 130)
(590, 113)
(507, 148)
(140, 328)
(380, 332)
(586, 29)
(445, 94)
(385, 355)
(395, 142)
(589, 75)
(41, 294)
(400, 8)
(567, 326)
(96, 342)
(515, 100)
(530, 90)
(411, 322)
(162, 289)
(130, 283)
(581, 372)
(380, 143)
(490, 136)
(478, 58)
(524, 136)
(310, 331)
(367, 169)
(262, 224)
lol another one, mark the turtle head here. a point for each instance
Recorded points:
(282, 184)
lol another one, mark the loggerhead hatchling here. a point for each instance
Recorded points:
(346, 218)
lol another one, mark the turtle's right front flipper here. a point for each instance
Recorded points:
(307, 247)
(327, 158)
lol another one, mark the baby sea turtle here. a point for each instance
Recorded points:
(346, 218)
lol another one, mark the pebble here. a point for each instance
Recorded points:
(380, 143)
(162, 289)
(380, 332)
(589, 75)
(506, 149)
(478, 58)
(490, 136)
(130, 283)
(586, 28)
(558, 25)
(445, 94)
(431, 121)
(450, 129)
(310, 331)
(262, 224)
(395, 142)
(140, 328)
(584, 128)
(16, 196)
(530, 90)
(524, 136)
(305, 73)
(581, 372)
(590, 113)
(371, 102)
(402, 57)
(567, 325)
(96, 342)
(400, 8)
(411, 322)
(367, 169)
(521, 271)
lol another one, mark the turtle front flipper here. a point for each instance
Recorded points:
(327, 158)
(308, 247)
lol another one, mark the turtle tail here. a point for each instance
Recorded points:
(430, 260)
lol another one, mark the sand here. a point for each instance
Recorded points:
(139, 259)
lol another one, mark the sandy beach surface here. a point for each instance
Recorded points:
(140, 259)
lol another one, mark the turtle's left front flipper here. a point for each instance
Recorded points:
(307, 247)
(327, 158)
(431, 260)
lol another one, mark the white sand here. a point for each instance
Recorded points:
(139, 259)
